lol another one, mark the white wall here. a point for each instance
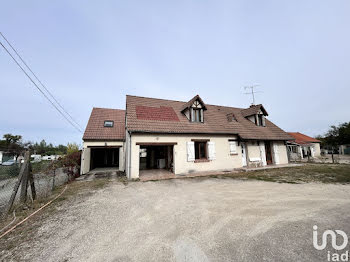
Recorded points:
(317, 149)
(254, 151)
(283, 154)
(224, 160)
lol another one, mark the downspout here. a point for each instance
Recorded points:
(129, 155)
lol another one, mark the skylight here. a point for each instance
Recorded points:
(108, 123)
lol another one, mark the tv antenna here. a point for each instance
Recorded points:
(252, 92)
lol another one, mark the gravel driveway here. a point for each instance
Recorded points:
(192, 220)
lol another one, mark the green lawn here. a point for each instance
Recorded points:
(324, 173)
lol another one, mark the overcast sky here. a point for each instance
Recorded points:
(93, 53)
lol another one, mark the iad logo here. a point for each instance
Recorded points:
(333, 237)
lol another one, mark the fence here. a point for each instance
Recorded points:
(19, 184)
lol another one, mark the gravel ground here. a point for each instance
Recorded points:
(191, 220)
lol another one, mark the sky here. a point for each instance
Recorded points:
(92, 53)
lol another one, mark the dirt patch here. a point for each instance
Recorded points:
(181, 220)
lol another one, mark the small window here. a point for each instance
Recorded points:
(108, 123)
(261, 120)
(200, 150)
(197, 115)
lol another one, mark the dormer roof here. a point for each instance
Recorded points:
(253, 110)
(190, 103)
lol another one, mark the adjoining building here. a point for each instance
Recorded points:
(303, 146)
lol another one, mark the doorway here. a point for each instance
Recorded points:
(104, 157)
(156, 157)
(268, 153)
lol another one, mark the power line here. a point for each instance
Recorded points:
(77, 128)
(48, 91)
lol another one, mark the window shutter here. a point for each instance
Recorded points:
(190, 151)
(192, 115)
(262, 153)
(201, 115)
(233, 147)
(276, 154)
(211, 151)
(263, 121)
(312, 151)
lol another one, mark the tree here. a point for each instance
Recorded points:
(72, 148)
(13, 144)
(12, 139)
(336, 135)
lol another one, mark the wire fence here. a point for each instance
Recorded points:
(39, 184)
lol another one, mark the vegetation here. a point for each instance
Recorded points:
(14, 144)
(43, 148)
(324, 173)
(336, 135)
(72, 148)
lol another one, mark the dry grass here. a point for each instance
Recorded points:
(323, 173)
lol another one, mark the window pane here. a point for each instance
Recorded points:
(202, 150)
(196, 150)
(108, 123)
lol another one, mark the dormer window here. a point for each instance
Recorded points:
(261, 120)
(194, 110)
(255, 114)
(108, 123)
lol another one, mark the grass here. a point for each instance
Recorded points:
(323, 173)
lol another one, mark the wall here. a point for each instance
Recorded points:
(224, 160)
(86, 154)
(253, 151)
(283, 154)
(317, 149)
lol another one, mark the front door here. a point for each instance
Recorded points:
(244, 154)
(268, 153)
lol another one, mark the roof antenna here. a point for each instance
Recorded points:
(252, 92)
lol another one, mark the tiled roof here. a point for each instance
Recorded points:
(215, 121)
(303, 139)
(190, 103)
(253, 109)
(95, 129)
(163, 113)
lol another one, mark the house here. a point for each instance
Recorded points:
(303, 146)
(344, 149)
(181, 137)
(5, 156)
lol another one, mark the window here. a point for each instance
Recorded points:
(200, 150)
(196, 112)
(108, 123)
(233, 147)
(259, 120)
(197, 115)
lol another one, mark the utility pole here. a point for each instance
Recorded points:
(252, 92)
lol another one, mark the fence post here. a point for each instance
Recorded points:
(20, 178)
(31, 181)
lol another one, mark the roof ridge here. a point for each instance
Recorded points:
(240, 108)
(108, 108)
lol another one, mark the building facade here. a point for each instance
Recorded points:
(181, 137)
